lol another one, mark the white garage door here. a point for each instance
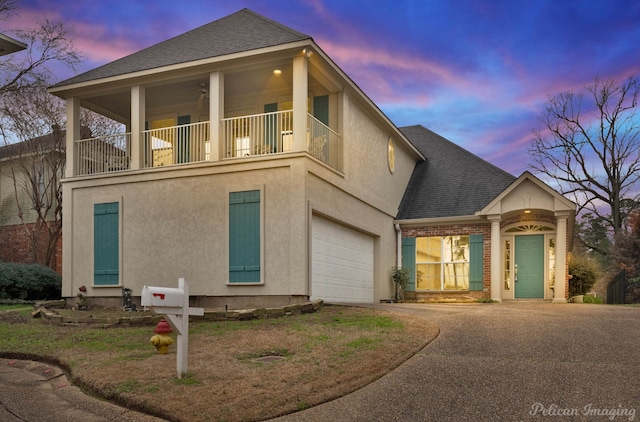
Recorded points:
(341, 264)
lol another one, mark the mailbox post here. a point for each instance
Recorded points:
(174, 303)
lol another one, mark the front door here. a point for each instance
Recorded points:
(529, 267)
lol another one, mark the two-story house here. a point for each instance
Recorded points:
(255, 168)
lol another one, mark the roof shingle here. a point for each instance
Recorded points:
(451, 182)
(242, 31)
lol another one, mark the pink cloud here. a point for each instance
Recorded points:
(99, 45)
(93, 41)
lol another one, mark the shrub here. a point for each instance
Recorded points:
(592, 299)
(584, 272)
(29, 282)
(633, 290)
(400, 276)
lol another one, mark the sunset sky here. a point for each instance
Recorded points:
(477, 72)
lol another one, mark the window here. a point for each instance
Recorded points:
(507, 264)
(244, 237)
(552, 261)
(106, 244)
(442, 263)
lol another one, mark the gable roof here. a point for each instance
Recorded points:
(217, 38)
(560, 202)
(452, 182)
(50, 142)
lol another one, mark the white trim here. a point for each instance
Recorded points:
(437, 221)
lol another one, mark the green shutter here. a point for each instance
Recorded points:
(244, 237)
(476, 261)
(321, 108)
(409, 261)
(271, 126)
(183, 147)
(106, 244)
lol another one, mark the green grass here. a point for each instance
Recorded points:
(323, 349)
(592, 299)
(12, 306)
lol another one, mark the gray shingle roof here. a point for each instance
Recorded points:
(242, 31)
(451, 182)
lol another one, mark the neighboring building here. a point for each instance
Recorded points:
(17, 189)
(256, 169)
(9, 45)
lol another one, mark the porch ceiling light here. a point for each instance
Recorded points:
(277, 72)
(527, 211)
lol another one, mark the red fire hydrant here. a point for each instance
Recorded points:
(162, 340)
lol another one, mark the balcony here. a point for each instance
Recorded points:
(263, 134)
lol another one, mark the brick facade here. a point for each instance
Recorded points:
(15, 246)
(484, 229)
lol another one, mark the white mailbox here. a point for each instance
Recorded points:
(174, 303)
(163, 297)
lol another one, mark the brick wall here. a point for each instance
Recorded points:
(16, 247)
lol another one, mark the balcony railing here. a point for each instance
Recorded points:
(259, 134)
(323, 142)
(176, 145)
(272, 133)
(102, 155)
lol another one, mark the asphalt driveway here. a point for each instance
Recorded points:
(507, 362)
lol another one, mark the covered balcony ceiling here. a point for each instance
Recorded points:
(170, 93)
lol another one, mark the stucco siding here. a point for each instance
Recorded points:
(366, 146)
(178, 227)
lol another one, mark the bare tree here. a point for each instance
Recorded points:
(30, 129)
(48, 43)
(35, 166)
(590, 145)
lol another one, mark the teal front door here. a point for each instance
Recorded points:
(529, 267)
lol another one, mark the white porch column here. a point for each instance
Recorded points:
(300, 98)
(216, 114)
(561, 258)
(137, 126)
(73, 134)
(495, 258)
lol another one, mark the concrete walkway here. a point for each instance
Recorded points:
(38, 392)
(507, 362)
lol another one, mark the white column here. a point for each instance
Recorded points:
(300, 98)
(216, 114)
(138, 115)
(561, 258)
(73, 134)
(495, 259)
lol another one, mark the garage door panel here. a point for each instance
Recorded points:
(342, 263)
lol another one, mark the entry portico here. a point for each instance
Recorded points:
(529, 241)
(469, 230)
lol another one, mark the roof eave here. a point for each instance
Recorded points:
(9, 45)
(60, 90)
(368, 101)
